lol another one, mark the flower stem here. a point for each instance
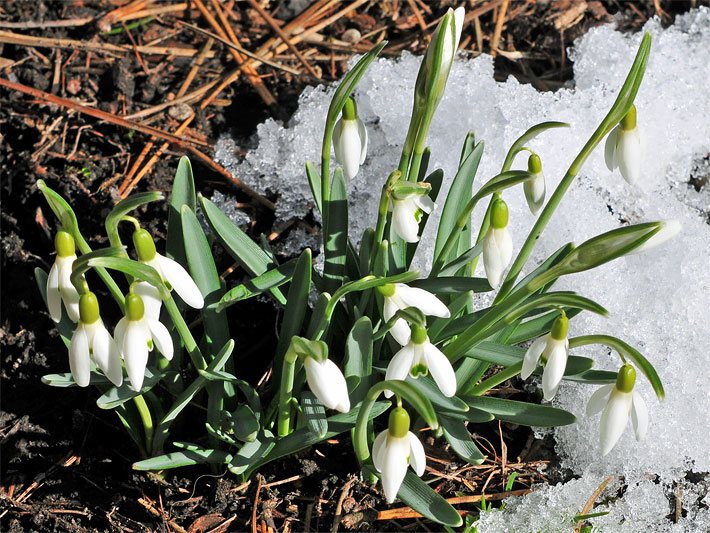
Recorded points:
(286, 393)
(146, 419)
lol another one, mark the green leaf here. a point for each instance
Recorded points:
(183, 458)
(459, 195)
(109, 258)
(258, 285)
(183, 194)
(627, 352)
(314, 181)
(523, 413)
(594, 377)
(460, 440)
(538, 326)
(420, 497)
(66, 380)
(314, 414)
(358, 358)
(452, 285)
(252, 453)
(429, 388)
(246, 424)
(505, 355)
(462, 260)
(318, 314)
(116, 396)
(243, 250)
(335, 241)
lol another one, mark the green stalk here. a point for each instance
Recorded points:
(146, 419)
(286, 393)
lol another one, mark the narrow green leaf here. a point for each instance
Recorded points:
(183, 193)
(258, 285)
(523, 413)
(314, 414)
(429, 388)
(336, 240)
(246, 424)
(358, 358)
(183, 458)
(318, 314)
(420, 497)
(118, 395)
(460, 440)
(452, 284)
(462, 260)
(66, 380)
(251, 453)
(538, 326)
(505, 355)
(314, 181)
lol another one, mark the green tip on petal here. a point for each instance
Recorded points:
(419, 334)
(134, 307)
(144, 244)
(399, 422)
(560, 327)
(89, 308)
(64, 244)
(534, 164)
(626, 378)
(386, 290)
(350, 109)
(499, 214)
(629, 121)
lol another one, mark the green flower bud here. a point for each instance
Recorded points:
(386, 290)
(350, 109)
(534, 164)
(629, 121)
(419, 334)
(499, 214)
(560, 327)
(134, 307)
(64, 244)
(88, 308)
(144, 244)
(399, 422)
(626, 378)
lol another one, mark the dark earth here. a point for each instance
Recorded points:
(66, 464)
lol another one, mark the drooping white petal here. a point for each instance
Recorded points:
(180, 280)
(441, 369)
(639, 415)
(54, 298)
(100, 347)
(389, 308)
(399, 366)
(161, 337)
(614, 418)
(70, 296)
(401, 332)
(554, 368)
(404, 220)
(599, 399)
(151, 298)
(423, 300)
(610, 149)
(497, 253)
(378, 450)
(328, 384)
(425, 203)
(79, 359)
(535, 193)
(340, 387)
(135, 353)
(532, 356)
(337, 134)
(417, 457)
(348, 147)
(362, 130)
(119, 333)
(394, 468)
(629, 155)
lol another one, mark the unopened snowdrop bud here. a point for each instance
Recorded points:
(667, 230)
(394, 450)
(327, 382)
(400, 296)
(59, 286)
(623, 148)
(91, 340)
(618, 401)
(497, 244)
(350, 140)
(136, 334)
(419, 357)
(551, 350)
(534, 188)
(171, 272)
(408, 209)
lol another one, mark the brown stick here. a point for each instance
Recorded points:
(36, 24)
(499, 28)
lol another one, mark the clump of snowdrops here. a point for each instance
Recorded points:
(384, 352)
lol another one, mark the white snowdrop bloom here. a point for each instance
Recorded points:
(617, 401)
(552, 351)
(171, 272)
(327, 382)
(418, 358)
(623, 148)
(137, 334)
(400, 296)
(407, 213)
(151, 298)
(534, 188)
(59, 286)
(91, 340)
(350, 140)
(497, 244)
(395, 449)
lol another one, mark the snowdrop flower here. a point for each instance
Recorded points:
(407, 211)
(350, 140)
(623, 148)
(59, 286)
(394, 450)
(418, 358)
(91, 340)
(172, 273)
(617, 401)
(137, 334)
(552, 350)
(534, 188)
(497, 244)
(400, 296)
(327, 382)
